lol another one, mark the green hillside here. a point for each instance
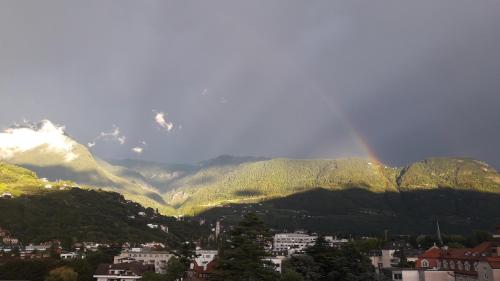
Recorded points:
(184, 189)
(159, 175)
(354, 193)
(37, 213)
(17, 181)
(87, 215)
(262, 180)
(87, 170)
(254, 181)
(450, 172)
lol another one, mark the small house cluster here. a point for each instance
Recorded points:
(12, 248)
(481, 263)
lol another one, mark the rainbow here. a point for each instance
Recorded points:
(358, 136)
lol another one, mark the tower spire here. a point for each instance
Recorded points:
(440, 239)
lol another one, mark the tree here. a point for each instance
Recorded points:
(63, 273)
(175, 269)
(305, 266)
(403, 260)
(478, 237)
(243, 256)
(324, 263)
(186, 254)
(151, 276)
(290, 275)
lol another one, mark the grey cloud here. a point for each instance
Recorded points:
(301, 79)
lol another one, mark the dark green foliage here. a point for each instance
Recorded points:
(25, 270)
(175, 269)
(63, 273)
(290, 275)
(242, 257)
(186, 253)
(324, 263)
(87, 215)
(358, 211)
(151, 276)
(478, 237)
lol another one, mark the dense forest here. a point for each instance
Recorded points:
(89, 215)
(358, 211)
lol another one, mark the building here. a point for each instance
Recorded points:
(10, 241)
(6, 195)
(203, 265)
(383, 258)
(37, 248)
(468, 264)
(277, 261)
(489, 269)
(121, 271)
(399, 274)
(390, 255)
(297, 242)
(69, 256)
(145, 256)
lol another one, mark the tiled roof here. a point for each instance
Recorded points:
(433, 252)
(494, 262)
(133, 268)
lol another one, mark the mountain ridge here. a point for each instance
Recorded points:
(188, 189)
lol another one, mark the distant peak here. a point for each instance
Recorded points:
(226, 159)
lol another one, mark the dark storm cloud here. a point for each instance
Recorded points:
(271, 78)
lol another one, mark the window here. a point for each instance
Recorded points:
(398, 276)
(452, 264)
(460, 266)
(425, 263)
(467, 266)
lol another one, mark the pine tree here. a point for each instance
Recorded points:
(243, 256)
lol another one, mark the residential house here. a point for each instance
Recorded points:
(468, 264)
(69, 255)
(402, 274)
(122, 271)
(297, 242)
(158, 259)
(489, 269)
(10, 241)
(202, 266)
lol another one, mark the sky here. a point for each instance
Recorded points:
(184, 81)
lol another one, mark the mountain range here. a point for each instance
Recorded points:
(192, 189)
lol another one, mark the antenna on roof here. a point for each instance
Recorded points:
(440, 239)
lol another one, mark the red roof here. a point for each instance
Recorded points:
(433, 253)
(494, 262)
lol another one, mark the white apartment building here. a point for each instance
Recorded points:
(297, 242)
(204, 257)
(145, 256)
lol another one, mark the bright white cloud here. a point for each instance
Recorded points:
(137, 149)
(160, 120)
(112, 135)
(26, 137)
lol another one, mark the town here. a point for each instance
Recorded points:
(395, 260)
